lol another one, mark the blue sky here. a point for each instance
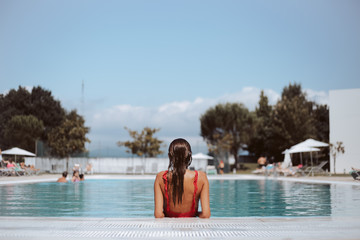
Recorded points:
(163, 63)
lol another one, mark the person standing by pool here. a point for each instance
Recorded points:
(178, 190)
(63, 178)
(221, 167)
(75, 177)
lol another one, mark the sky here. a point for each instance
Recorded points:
(164, 63)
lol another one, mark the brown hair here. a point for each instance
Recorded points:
(179, 160)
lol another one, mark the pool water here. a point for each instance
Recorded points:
(134, 198)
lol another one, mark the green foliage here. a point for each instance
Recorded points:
(70, 137)
(293, 119)
(23, 131)
(39, 103)
(262, 125)
(321, 122)
(144, 144)
(227, 128)
(335, 150)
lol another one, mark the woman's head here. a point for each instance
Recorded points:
(179, 154)
(179, 160)
(75, 173)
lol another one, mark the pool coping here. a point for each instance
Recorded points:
(36, 179)
(149, 228)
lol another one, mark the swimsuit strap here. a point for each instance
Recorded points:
(166, 191)
(195, 190)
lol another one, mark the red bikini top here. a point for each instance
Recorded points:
(168, 212)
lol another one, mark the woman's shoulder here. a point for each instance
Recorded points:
(160, 175)
(202, 174)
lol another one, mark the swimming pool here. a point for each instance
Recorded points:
(134, 198)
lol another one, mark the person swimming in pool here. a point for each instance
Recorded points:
(75, 177)
(178, 190)
(63, 178)
(82, 177)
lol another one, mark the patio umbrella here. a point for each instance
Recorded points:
(18, 152)
(300, 149)
(311, 143)
(287, 159)
(201, 156)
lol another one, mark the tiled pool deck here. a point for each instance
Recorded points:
(150, 228)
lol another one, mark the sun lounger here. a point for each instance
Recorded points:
(211, 170)
(139, 169)
(355, 175)
(316, 169)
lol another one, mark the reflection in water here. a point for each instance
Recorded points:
(244, 198)
(134, 198)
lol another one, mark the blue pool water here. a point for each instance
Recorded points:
(134, 198)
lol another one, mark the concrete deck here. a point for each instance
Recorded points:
(149, 228)
(53, 177)
(215, 228)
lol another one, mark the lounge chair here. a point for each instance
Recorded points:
(355, 175)
(211, 170)
(129, 170)
(139, 169)
(316, 169)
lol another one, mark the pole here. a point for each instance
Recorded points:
(312, 172)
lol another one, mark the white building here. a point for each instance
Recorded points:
(345, 127)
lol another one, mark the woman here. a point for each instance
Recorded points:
(75, 177)
(177, 191)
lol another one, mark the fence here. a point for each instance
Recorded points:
(109, 165)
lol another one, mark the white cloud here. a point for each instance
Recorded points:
(320, 97)
(176, 119)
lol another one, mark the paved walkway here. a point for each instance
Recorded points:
(54, 177)
(215, 228)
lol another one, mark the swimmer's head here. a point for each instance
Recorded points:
(180, 155)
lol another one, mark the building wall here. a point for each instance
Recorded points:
(345, 127)
(109, 165)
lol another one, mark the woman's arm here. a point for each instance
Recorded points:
(204, 198)
(158, 197)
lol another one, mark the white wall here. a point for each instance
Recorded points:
(109, 165)
(345, 127)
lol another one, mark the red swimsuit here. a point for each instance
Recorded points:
(168, 212)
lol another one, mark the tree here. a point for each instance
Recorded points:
(144, 144)
(321, 122)
(23, 131)
(70, 137)
(262, 125)
(335, 150)
(291, 121)
(39, 102)
(227, 127)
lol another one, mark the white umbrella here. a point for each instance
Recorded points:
(18, 152)
(300, 149)
(201, 156)
(312, 143)
(287, 160)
